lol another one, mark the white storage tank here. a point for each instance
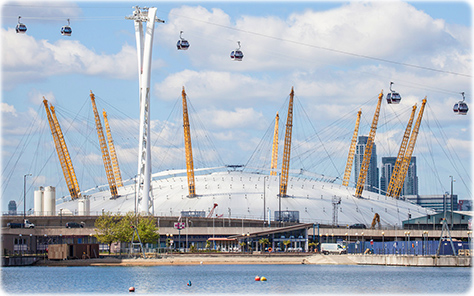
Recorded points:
(38, 206)
(84, 206)
(49, 201)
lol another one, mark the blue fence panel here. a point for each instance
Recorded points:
(406, 247)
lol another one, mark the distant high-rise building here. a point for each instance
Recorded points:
(12, 207)
(372, 178)
(410, 186)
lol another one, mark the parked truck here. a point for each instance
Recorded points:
(25, 224)
(332, 248)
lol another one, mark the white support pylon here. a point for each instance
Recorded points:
(143, 200)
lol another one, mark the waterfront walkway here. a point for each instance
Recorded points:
(318, 259)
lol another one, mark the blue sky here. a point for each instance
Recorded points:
(315, 47)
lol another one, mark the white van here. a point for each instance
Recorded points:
(332, 248)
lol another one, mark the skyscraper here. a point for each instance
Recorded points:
(372, 178)
(12, 207)
(410, 186)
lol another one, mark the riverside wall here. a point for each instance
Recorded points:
(404, 260)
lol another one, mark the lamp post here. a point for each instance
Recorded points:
(363, 243)
(409, 245)
(383, 242)
(24, 196)
(452, 202)
(356, 242)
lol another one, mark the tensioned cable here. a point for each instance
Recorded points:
(278, 39)
(326, 48)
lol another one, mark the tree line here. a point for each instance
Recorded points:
(111, 228)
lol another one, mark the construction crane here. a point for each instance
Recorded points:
(401, 154)
(274, 163)
(113, 154)
(211, 211)
(188, 147)
(375, 221)
(409, 152)
(368, 150)
(104, 150)
(285, 166)
(63, 153)
(350, 157)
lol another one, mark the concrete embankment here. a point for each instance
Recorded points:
(403, 260)
(317, 259)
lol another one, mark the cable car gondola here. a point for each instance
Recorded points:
(461, 108)
(237, 55)
(66, 30)
(20, 28)
(393, 97)
(182, 44)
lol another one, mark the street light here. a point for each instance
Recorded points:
(24, 196)
(383, 242)
(452, 202)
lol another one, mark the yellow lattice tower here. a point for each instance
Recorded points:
(113, 154)
(60, 152)
(409, 152)
(285, 166)
(368, 150)
(188, 147)
(64, 156)
(401, 154)
(274, 163)
(104, 150)
(352, 149)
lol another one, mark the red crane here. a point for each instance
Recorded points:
(212, 211)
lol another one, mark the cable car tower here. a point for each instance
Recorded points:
(143, 201)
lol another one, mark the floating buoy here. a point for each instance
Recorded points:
(201, 262)
(263, 279)
(257, 278)
(131, 289)
(189, 283)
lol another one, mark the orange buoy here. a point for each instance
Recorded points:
(131, 289)
(257, 278)
(263, 278)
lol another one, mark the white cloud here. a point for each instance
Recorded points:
(361, 28)
(8, 109)
(26, 59)
(36, 97)
(238, 118)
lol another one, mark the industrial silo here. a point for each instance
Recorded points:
(38, 200)
(49, 201)
(84, 206)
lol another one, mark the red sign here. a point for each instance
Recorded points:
(179, 225)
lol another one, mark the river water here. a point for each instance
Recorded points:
(237, 280)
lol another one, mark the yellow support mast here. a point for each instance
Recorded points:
(285, 166)
(63, 154)
(368, 150)
(113, 154)
(350, 157)
(188, 148)
(409, 152)
(401, 154)
(274, 163)
(104, 150)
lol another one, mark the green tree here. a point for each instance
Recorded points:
(263, 242)
(242, 246)
(124, 228)
(208, 245)
(286, 243)
(106, 229)
(313, 246)
(147, 229)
